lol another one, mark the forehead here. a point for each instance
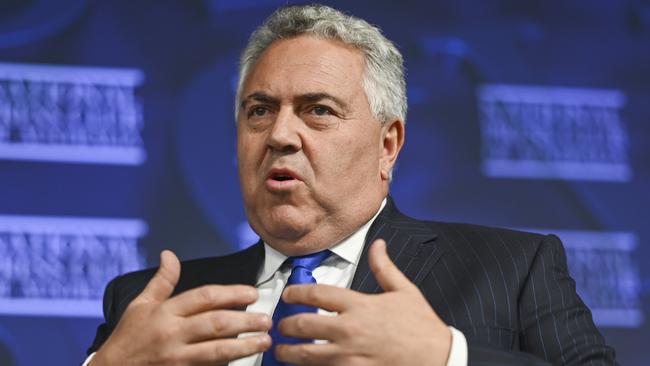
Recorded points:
(307, 64)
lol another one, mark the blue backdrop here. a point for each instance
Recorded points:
(117, 140)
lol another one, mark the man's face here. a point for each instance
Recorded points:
(313, 160)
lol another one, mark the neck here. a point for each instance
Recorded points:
(327, 235)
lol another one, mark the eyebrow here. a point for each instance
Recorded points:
(308, 97)
(317, 97)
(260, 97)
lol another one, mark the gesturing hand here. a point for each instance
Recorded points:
(193, 328)
(397, 327)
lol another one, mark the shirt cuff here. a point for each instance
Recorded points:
(458, 350)
(88, 359)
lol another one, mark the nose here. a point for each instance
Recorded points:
(284, 136)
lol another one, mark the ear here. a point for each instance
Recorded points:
(392, 142)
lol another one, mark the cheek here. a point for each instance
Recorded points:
(246, 161)
(248, 149)
(349, 161)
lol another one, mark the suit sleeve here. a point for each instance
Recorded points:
(117, 296)
(555, 323)
(110, 318)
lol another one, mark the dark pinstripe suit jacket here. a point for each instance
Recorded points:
(509, 292)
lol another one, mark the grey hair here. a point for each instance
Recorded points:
(383, 80)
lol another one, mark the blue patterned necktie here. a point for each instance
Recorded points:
(301, 273)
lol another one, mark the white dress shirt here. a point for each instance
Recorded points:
(337, 270)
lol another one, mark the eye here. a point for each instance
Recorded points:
(257, 111)
(320, 110)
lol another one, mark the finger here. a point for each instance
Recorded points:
(312, 326)
(162, 284)
(222, 324)
(326, 297)
(389, 277)
(222, 351)
(211, 297)
(308, 354)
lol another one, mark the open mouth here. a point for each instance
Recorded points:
(281, 177)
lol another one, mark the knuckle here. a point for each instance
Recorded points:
(255, 322)
(352, 328)
(313, 295)
(207, 295)
(165, 334)
(160, 313)
(301, 324)
(220, 354)
(304, 354)
(219, 324)
(168, 357)
(255, 344)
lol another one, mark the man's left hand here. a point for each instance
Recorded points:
(397, 327)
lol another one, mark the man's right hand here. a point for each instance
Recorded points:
(193, 328)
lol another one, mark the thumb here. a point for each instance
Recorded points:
(162, 284)
(389, 277)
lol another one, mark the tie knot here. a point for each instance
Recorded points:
(309, 261)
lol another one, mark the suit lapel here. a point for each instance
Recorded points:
(410, 244)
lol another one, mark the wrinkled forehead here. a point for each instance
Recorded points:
(306, 64)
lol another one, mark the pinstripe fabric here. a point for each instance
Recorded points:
(509, 292)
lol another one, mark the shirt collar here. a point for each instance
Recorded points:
(348, 249)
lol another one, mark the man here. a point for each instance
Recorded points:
(320, 122)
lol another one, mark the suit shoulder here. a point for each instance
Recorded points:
(485, 230)
(194, 273)
(453, 230)
(131, 279)
(480, 237)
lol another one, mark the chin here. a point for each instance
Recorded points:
(289, 241)
(290, 230)
(293, 248)
(285, 226)
(289, 216)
